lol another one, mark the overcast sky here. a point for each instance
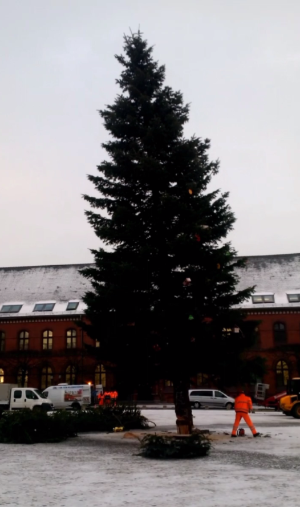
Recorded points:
(237, 63)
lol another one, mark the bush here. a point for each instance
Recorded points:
(31, 427)
(106, 418)
(167, 447)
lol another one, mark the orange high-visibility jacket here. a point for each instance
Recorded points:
(243, 403)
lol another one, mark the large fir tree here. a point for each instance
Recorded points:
(164, 292)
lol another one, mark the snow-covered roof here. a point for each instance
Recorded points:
(28, 286)
(272, 274)
(276, 275)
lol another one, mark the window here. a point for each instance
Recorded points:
(31, 396)
(168, 383)
(282, 374)
(44, 307)
(218, 394)
(23, 340)
(46, 377)
(47, 339)
(202, 379)
(71, 338)
(71, 374)
(100, 375)
(279, 332)
(1, 376)
(206, 393)
(97, 344)
(263, 299)
(293, 298)
(22, 377)
(201, 393)
(2, 341)
(73, 305)
(18, 394)
(11, 308)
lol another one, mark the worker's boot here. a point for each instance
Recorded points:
(257, 435)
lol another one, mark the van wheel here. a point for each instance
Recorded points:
(229, 406)
(296, 411)
(76, 406)
(37, 409)
(197, 404)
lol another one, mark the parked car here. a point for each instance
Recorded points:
(212, 398)
(13, 397)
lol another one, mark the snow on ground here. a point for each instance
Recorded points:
(286, 430)
(103, 469)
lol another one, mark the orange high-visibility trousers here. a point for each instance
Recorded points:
(247, 419)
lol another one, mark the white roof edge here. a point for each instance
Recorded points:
(41, 314)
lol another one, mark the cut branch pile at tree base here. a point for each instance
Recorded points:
(174, 446)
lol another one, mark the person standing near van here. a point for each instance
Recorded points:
(100, 399)
(242, 406)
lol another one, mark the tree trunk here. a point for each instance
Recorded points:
(183, 411)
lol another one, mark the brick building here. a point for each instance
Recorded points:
(276, 304)
(42, 344)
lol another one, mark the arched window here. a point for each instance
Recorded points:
(23, 341)
(2, 341)
(202, 379)
(71, 339)
(1, 376)
(22, 377)
(46, 377)
(47, 339)
(282, 374)
(100, 375)
(279, 332)
(71, 374)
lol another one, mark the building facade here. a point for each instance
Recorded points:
(42, 343)
(275, 303)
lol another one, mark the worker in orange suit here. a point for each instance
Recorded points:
(242, 406)
(114, 396)
(107, 398)
(100, 399)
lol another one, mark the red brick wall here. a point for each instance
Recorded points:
(58, 358)
(273, 352)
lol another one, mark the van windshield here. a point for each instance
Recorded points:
(40, 394)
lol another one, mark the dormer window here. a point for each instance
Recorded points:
(293, 298)
(44, 307)
(263, 299)
(11, 308)
(72, 305)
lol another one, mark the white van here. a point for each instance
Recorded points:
(13, 397)
(69, 396)
(211, 398)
